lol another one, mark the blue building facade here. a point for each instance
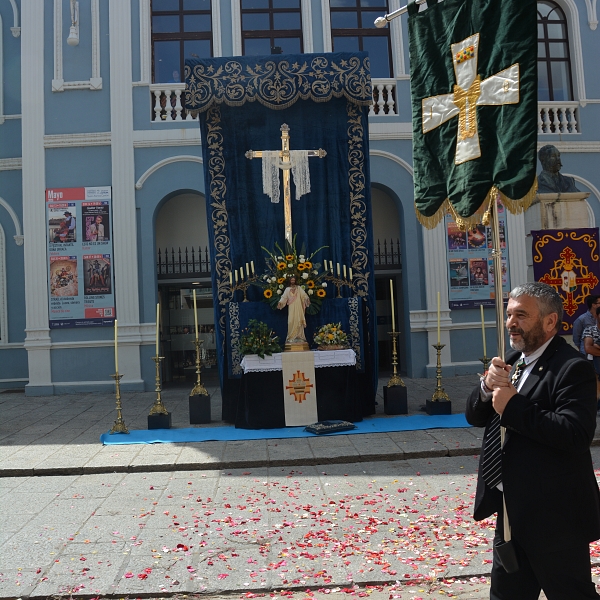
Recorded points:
(91, 97)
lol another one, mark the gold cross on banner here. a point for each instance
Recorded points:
(285, 166)
(469, 93)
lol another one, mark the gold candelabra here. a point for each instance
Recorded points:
(119, 426)
(395, 379)
(486, 362)
(244, 285)
(439, 394)
(158, 408)
(198, 389)
(339, 282)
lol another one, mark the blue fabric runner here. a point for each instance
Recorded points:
(230, 433)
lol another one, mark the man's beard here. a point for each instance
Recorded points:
(530, 340)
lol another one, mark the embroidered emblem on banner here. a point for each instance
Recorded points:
(299, 386)
(572, 270)
(469, 93)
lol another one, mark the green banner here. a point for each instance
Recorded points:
(474, 101)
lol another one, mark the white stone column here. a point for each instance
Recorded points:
(436, 273)
(123, 191)
(37, 340)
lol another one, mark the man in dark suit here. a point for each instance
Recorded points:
(547, 405)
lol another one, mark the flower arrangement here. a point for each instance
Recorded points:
(330, 335)
(257, 338)
(284, 264)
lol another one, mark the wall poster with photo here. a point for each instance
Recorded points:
(470, 265)
(80, 257)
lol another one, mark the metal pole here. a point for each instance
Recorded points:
(383, 21)
(497, 262)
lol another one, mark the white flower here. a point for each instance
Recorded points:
(316, 272)
(280, 258)
(291, 265)
(281, 286)
(310, 292)
(324, 284)
(279, 292)
(303, 287)
(301, 258)
(266, 277)
(273, 279)
(304, 275)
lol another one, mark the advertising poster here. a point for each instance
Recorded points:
(80, 257)
(470, 266)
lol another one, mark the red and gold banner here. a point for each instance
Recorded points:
(568, 260)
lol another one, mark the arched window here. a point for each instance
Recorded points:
(554, 61)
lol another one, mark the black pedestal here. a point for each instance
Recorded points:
(395, 400)
(199, 409)
(441, 407)
(159, 421)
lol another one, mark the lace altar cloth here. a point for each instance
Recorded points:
(323, 358)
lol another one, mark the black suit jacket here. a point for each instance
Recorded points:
(552, 497)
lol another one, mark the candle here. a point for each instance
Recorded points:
(350, 273)
(344, 268)
(116, 349)
(236, 279)
(338, 269)
(195, 316)
(252, 266)
(325, 264)
(438, 318)
(241, 273)
(230, 278)
(157, 326)
(392, 303)
(483, 331)
(247, 270)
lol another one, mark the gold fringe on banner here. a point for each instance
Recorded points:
(483, 213)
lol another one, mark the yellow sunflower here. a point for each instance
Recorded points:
(268, 293)
(281, 280)
(308, 265)
(281, 266)
(310, 284)
(321, 293)
(301, 267)
(289, 257)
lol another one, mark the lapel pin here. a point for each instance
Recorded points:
(541, 369)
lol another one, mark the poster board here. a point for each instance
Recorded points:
(80, 257)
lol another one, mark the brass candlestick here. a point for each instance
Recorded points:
(244, 285)
(119, 426)
(395, 378)
(339, 282)
(486, 362)
(158, 408)
(199, 389)
(439, 393)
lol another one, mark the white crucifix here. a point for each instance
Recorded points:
(469, 93)
(286, 160)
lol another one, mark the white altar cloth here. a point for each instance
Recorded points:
(323, 358)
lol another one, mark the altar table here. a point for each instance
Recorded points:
(260, 402)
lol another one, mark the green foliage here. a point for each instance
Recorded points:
(331, 335)
(257, 338)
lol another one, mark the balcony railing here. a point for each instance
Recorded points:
(181, 264)
(384, 98)
(558, 117)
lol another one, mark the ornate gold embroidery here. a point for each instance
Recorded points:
(234, 336)
(277, 84)
(467, 104)
(589, 240)
(354, 336)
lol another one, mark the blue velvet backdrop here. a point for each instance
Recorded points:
(242, 103)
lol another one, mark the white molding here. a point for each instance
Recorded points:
(166, 161)
(570, 146)
(1, 74)
(15, 29)
(95, 81)
(215, 9)
(236, 27)
(125, 233)
(595, 191)
(405, 165)
(77, 140)
(592, 14)
(516, 244)
(11, 164)
(307, 28)
(397, 42)
(15, 219)
(389, 131)
(37, 330)
(145, 42)
(326, 23)
(154, 138)
(3, 298)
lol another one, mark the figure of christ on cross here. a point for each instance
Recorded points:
(285, 165)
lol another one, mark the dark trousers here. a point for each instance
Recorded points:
(563, 574)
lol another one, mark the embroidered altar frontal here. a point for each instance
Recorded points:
(242, 103)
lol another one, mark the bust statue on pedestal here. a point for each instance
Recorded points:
(550, 180)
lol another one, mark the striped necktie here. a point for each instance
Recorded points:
(491, 467)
